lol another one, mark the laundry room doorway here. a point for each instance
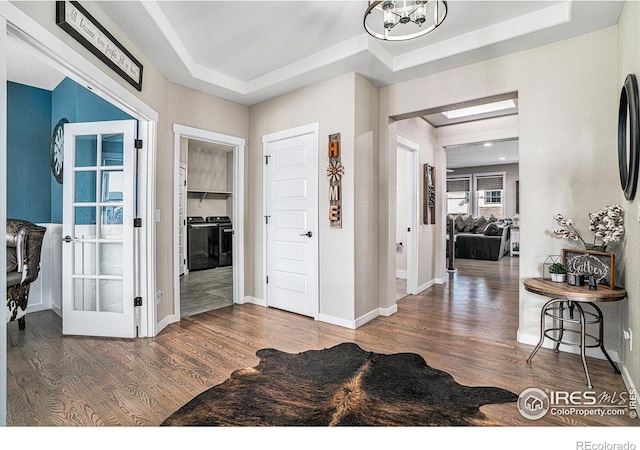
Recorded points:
(209, 219)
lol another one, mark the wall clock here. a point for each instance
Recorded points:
(57, 149)
(629, 137)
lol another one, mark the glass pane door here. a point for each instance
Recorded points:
(98, 256)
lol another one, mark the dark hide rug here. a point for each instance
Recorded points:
(343, 385)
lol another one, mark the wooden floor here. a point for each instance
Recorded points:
(466, 327)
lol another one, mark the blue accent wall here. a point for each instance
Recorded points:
(32, 191)
(28, 146)
(77, 104)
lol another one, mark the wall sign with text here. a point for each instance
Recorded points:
(335, 171)
(599, 264)
(76, 21)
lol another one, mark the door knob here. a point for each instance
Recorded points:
(307, 234)
(67, 239)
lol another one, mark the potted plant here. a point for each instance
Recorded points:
(558, 272)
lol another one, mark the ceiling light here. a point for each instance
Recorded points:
(488, 144)
(502, 158)
(399, 20)
(480, 109)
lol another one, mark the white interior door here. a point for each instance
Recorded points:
(182, 218)
(98, 252)
(292, 224)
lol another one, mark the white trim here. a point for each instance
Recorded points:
(427, 285)
(255, 301)
(413, 150)
(312, 128)
(237, 218)
(3, 221)
(532, 339)
(402, 274)
(628, 381)
(30, 35)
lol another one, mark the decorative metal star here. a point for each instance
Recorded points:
(335, 171)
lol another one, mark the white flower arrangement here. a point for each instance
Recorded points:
(607, 224)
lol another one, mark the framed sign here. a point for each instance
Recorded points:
(599, 264)
(429, 195)
(76, 21)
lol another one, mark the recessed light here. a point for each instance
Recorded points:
(479, 109)
(502, 158)
(488, 144)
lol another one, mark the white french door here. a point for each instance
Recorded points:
(292, 223)
(98, 227)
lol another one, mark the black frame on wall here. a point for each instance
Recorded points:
(629, 137)
(100, 42)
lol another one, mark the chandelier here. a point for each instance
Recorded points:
(400, 20)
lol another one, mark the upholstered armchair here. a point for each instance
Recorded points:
(24, 245)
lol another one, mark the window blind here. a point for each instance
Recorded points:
(490, 183)
(458, 185)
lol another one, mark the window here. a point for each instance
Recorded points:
(458, 196)
(493, 196)
(489, 195)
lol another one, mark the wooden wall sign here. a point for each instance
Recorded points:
(335, 171)
(429, 196)
(599, 264)
(76, 21)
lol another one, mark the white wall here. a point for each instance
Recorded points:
(629, 62)
(567, 95)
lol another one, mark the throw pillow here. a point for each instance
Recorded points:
(492, 218)
(469, 225)
(459, 224)
(481, 223)
(494, 229)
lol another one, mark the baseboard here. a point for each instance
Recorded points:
(531, 339)
(255, 300)
(166, 322)
(628, 382)
(441, 280)
(401, 274)
(351, 324)
(426, 286)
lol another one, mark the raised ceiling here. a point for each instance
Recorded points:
(250, 51)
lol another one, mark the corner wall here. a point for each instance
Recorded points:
(567, 95)
(331, 103)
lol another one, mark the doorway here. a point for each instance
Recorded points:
(208, 233)
(291, 220)
(406, 218)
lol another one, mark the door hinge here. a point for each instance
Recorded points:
(137, 222)
(409, 230)
(137, 301)
(137, 143)
(266, 159)
(267, 280)
(266, 219)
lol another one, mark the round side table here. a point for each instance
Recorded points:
(565, 301)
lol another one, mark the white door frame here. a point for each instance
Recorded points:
(314, 129)
(237, 218)
(182, 225)
(34, 38)
(413, 150)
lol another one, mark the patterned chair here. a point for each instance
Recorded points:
(24, 245)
